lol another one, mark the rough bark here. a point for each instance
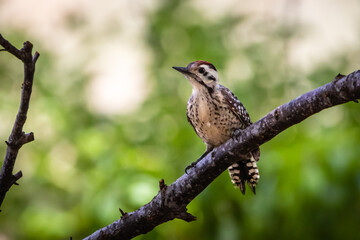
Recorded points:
(17, 137)
(171, 201)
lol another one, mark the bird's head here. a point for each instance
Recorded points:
(201, 74)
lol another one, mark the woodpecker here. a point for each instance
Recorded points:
(215, 113)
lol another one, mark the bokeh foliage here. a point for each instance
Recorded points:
(84, 166)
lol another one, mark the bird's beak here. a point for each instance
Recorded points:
(183, 70)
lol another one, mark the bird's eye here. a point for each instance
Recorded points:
(201, 70)
(211, 78)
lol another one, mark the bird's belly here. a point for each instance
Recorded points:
(213, 135)
(213, 127)
(212, 120)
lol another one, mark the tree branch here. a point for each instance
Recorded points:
(171, 201)
(17, 137)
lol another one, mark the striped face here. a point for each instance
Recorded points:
(201, 74)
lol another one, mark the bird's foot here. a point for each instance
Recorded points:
(190, 166)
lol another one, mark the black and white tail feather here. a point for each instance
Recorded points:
(243, 172)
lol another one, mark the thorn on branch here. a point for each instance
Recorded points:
(26, 138)
(36, 56)
(163, 188)
(12, 144)
(162, 184)
(338, 77)
(123, 214)
(18, 175)
(186, 216)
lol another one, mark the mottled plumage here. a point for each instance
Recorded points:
(215, 113)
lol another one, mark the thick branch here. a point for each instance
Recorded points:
(17, 137)
(171, 201)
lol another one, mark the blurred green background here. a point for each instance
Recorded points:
(108, 113)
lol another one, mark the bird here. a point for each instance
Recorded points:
(216, 114)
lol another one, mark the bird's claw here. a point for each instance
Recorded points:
(189, 167)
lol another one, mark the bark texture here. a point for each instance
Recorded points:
(171, 201)
(17, 137)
